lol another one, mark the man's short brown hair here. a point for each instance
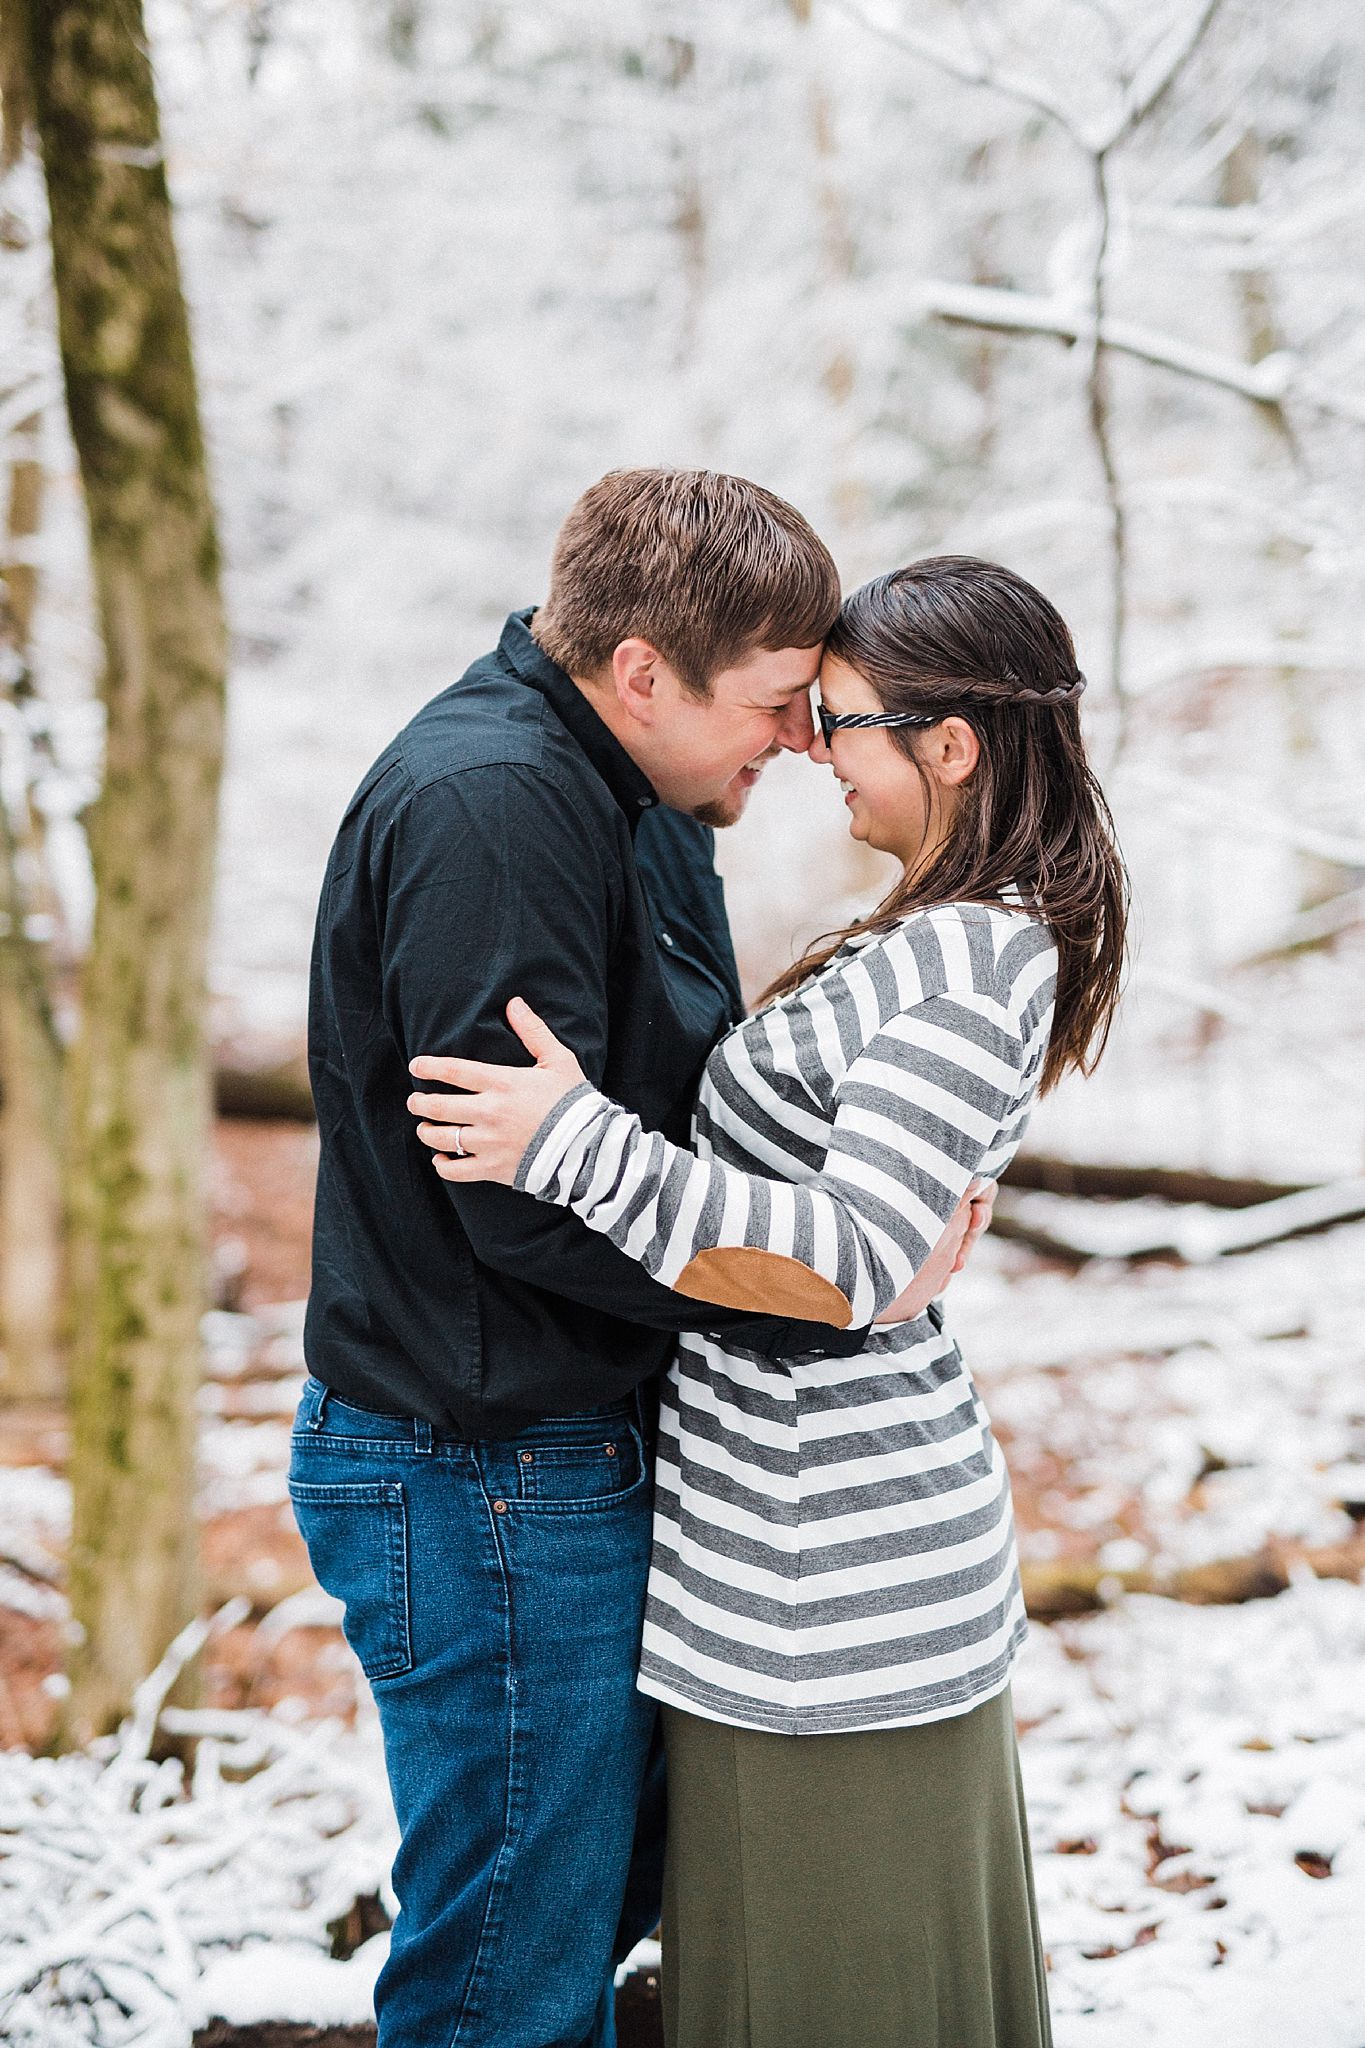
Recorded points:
(708, 568)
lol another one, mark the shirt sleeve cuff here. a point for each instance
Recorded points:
(543, 1158)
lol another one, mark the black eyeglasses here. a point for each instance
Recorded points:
(846, 721)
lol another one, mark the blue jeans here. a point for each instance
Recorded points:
(494, 1593)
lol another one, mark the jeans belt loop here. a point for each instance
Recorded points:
(318, 1416)
(421, 1436)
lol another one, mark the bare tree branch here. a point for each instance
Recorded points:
(1154, 78)
(1159, 73)
(1137, 99)
(979, 73)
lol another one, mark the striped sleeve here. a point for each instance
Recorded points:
(918, 1112)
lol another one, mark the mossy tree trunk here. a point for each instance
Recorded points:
(140, 1107)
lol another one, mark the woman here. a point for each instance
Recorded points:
(834, 1556)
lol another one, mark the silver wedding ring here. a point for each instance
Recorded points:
(460, 1152)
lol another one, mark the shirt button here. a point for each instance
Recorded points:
(666, 939)
(644, 802)
(500, 1507)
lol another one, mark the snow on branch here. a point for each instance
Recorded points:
(1254, 230)
(1200, 803)
(24, 399)
(1274, 380)
(1214, 1001)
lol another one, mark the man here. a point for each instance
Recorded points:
(471, 1456)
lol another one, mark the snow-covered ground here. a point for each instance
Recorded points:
(1196, 1781)
(1196, 1411)
(1196, 1775)
(1196, 1786)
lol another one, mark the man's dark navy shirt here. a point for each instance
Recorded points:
(505, 844)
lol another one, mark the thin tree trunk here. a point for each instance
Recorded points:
(1319, 882)
(24, 519)
(689, 213)
(31, 1208)
(140, 1083)
(838, 257)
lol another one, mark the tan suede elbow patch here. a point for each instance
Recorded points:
(745, 1276)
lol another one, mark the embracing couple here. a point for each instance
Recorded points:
(634, 1432)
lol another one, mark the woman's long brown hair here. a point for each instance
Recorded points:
(970, 639)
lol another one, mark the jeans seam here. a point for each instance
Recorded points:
(400, 1588)
(489, 1927)
(358, 1446)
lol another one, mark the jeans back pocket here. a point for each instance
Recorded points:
(357, 1541)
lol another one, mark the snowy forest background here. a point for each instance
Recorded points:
(448, 264)
(1075, 284)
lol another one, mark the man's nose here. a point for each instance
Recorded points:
(797, 729)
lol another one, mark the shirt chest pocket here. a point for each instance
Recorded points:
(699, 998)
(692, 1010)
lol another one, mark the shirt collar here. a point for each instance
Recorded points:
(629, 785)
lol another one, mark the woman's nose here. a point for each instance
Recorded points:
(818, 751)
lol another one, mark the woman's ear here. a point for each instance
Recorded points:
(954, 751)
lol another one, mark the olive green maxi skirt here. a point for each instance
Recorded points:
(850, 1891)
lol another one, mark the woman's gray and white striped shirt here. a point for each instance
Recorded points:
(834, 1544)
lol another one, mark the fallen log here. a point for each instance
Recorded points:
(282, 2034)
(1055, 1588)
(1139, 1212)
(1051, 1176)
(276, 1087)
(276, 1090)
(639, 2024)
(1195, 1233)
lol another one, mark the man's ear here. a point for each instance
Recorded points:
(954, 751)
(634, 673)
